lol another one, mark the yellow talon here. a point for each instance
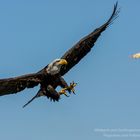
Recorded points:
(69, 88)
(72, 86)
(63, 91)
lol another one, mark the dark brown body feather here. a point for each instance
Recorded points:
(73, 56)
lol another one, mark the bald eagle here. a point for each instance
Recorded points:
(51, 76)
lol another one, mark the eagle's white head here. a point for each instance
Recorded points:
(55, 66)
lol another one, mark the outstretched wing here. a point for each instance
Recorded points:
(17, 84)
(78, 51)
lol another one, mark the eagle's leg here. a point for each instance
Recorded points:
(65, 86)
(63, 91)
(52, 93)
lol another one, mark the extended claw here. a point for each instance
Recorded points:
(63, 91)
(69, 88)
(72, 86)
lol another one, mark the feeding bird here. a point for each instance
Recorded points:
(51, 76)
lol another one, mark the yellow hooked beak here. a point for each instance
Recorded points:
(63, 62)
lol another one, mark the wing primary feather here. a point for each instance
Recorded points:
(39, 93)
(114, 15)
(30, 101)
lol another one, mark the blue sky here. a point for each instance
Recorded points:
(33, 33)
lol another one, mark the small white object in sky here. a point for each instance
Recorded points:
(137, 55)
